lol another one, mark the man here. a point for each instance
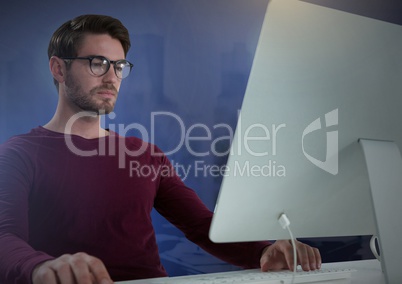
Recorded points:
(70, 212)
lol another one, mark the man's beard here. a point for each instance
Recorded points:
(86, 101)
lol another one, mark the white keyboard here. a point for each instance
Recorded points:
(281, 277)
(255, 276)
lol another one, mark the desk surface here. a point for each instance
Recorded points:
(368, 272)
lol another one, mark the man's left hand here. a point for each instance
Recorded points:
(279, 256)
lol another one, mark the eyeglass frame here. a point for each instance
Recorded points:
(90, 58)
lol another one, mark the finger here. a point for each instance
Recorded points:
(80, 269)
(289, 254)
(270, 262)
(264, 262)
(311, 258)
(304, 256)
(99, 271)
(318, 259)
(45, 275)
(64, 273)
(272, 259)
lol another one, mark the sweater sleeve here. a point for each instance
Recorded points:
(183, 208)
(17, 257)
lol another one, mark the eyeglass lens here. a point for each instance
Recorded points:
(100, 65)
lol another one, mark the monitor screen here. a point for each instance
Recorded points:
(321, 80)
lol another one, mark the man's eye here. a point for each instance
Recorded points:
(97, 64)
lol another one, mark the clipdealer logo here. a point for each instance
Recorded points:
(330, 164)
(248, 140)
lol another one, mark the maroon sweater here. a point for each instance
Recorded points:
(66, 194)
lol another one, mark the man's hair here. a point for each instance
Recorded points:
(66, 40)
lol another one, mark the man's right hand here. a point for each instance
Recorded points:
(79, 268)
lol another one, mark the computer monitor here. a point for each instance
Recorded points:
(321, 81)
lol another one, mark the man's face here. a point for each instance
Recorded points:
(84, 90)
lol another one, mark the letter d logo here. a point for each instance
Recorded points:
(330, 164)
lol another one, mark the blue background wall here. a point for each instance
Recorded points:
(191, 58)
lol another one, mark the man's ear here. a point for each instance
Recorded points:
(57, 68)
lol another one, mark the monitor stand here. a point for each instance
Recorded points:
(384, 166)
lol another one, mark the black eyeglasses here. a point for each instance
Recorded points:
(100, 65)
